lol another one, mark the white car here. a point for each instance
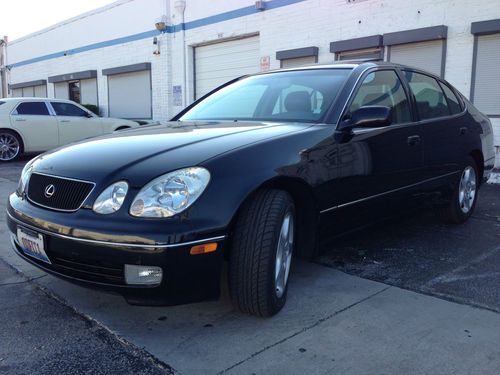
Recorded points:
(40, 124)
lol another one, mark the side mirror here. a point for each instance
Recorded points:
(369, 116)
(88, 115)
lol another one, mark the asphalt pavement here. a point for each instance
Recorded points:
(420, 253)
(39, 335)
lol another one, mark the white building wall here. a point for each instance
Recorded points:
(302, 24)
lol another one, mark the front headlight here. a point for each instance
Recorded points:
(23, 180)
(111, 199)
(171, 193)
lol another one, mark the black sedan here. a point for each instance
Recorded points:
(261, 168)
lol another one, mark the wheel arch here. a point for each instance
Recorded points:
(307, 212)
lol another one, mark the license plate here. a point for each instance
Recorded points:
(32, 244)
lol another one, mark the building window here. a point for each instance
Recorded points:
(485, 92)
(74, 91)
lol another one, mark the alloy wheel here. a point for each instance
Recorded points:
(9, 146)
(467, 189)
(284, 254)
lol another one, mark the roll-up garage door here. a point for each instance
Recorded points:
(130, 95)
(487, 83)
(299, 61)
(61, 90)
(424, 55)
(39, 91)
(218, 63)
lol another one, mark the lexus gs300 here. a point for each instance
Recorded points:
(254, 172)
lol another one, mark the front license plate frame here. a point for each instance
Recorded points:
(32, 244)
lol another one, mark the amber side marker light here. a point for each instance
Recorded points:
(203, 249)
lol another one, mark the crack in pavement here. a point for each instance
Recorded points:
(305, 329)
(23, 282)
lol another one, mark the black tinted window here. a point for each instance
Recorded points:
(32, 108)
(68, 109)
(385, 89)
(431, 102)
(453, 101)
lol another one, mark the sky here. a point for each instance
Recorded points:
(22, 17)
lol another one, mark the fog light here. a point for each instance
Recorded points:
(142, 275)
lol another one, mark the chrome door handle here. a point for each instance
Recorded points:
(20, 119)
(65, 121)
(413, 140)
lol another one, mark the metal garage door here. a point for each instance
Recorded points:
(129, 95)
(299, 61)
(218, 63)
(39, 91)
(424, 55)
(487, 83)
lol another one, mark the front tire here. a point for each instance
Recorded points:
(261, 253)
(464, 197)
(11, 145)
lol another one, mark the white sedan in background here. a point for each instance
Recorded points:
(41, 124)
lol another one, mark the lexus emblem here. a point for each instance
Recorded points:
(50, 190)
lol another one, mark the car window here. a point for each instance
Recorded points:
(243, 101)
(430, 99)
(295, 96)
(453, 102)
(383, 88)
(2, 103)
(31, 108)
(68, 109)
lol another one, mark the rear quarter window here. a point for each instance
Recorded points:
(453, 101)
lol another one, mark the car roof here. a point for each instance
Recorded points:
(351, 64)
(33, 98)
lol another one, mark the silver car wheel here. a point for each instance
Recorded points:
(467, 189)
(9, 146)
(284, 254)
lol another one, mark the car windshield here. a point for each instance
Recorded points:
(293, 96)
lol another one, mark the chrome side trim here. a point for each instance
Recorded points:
(62, 178)
(117, 244)
(386, 192)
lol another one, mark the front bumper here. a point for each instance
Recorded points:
(96, 256)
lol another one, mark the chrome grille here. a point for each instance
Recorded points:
(66, 195)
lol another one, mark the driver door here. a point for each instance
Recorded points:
(74, 123)
(377, 162)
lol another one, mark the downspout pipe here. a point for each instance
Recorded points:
(180, 7)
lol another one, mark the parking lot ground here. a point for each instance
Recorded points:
(418, 252)
(333, 322)
(39, 335)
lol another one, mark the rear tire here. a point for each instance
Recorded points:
(464, 197)
(11, 145)
(261, 253)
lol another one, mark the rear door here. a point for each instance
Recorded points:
(443, 124)
(33, 120)
(75, 123)
(375, 162)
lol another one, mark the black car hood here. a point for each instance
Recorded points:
(143, 153)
